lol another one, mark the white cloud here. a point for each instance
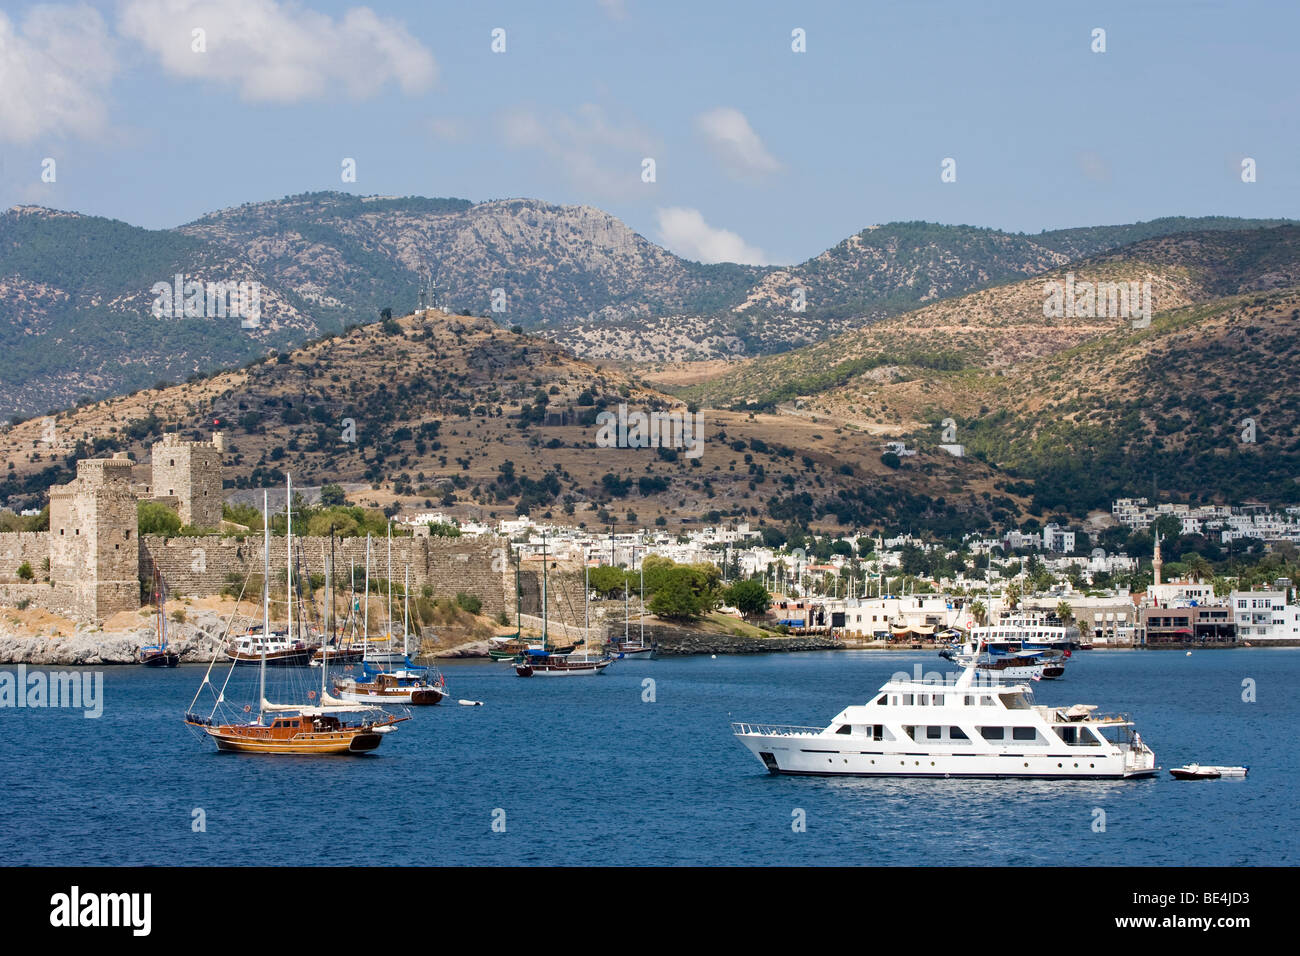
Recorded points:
(591, 150)
(685, 232)
(54, 73)
(735, 144)
(280, 52)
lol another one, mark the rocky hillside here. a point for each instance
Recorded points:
(444, 411)
(1086, 407)
(75, 291)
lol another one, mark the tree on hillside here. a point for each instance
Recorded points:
(748, 597)
(676, 599)
(332, 495)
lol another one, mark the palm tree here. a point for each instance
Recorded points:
(978, 610)
(1065, 612)
(1198, 568)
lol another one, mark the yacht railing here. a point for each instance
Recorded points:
(775, 730)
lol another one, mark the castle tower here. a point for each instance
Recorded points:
(190, 472)
(94, 555)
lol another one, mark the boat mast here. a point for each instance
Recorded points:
(406, 612)
(365, 625)
(545, 619)
(625, 611)
(288, 550)
(390, 582)
(266, 600)
(586, 599)
(643, 600)
(325, 646)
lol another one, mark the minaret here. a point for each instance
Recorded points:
(1157, 562)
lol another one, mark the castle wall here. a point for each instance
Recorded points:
(205, 565)
(19, 546)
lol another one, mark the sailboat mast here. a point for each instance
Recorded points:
(643, 600)
(266, 599)
(365, 626)
(390, 581)
(288, 550)
(545, 619)
(625, 611)
(325, 646)
(406, 612)
(586, 598)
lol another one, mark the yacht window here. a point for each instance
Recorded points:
(907, 699)
(884, 699)
(956, 733)
(938, 700)
(992, 733)
(844, 729)
(1023, 733)
(970, 700)
(933, 733)
(877, 731)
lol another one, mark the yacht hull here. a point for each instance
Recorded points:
(814, 756)
(338, 743)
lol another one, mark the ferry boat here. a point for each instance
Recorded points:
(1012, 665)
(1027, 633)
(966, 728)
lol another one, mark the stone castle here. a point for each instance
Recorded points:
(92, 562)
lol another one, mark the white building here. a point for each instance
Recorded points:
(1265, 615)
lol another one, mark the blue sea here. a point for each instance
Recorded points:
(586, 771)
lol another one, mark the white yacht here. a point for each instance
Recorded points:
(1026, 633)
(966, 728)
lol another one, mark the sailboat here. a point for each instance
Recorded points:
(333, 650)
(541, 662)
(287, 728)
(409, 684)
(627, 647)
(513, 647)
(159, 655)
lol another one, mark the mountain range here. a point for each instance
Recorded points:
(77, 323)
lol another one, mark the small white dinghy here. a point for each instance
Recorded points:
(1195, 771)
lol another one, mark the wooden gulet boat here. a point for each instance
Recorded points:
(159, 655)
(293, 729)
(628, 648)
(407, 685)
(544, 663)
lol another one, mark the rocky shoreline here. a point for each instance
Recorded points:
(681, 642)
(195, 640)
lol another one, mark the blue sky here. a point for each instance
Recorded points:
(761, 153)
